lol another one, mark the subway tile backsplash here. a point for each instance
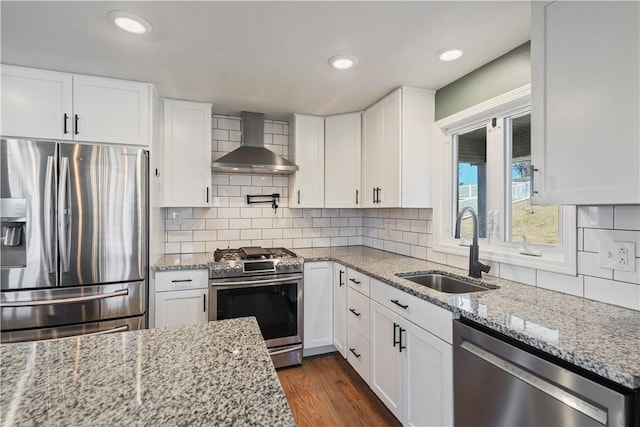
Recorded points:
(232, 223)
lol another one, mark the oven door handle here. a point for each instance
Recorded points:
(255, 282)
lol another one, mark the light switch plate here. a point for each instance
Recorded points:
(618, 255)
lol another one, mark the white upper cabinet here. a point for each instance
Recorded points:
(36, 103)
(396, 148)
(585, 60)
(47, 104)
(342, 160)
(306, 149)
(187, 154)
(108, 110)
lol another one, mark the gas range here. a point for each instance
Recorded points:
(254, 260)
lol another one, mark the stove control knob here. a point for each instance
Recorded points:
(287, 264)
(217, 269)
(296, 265)
(237, 268)
(227, 269)
(280, 266)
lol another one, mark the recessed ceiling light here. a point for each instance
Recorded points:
(342, 62)
(129, 22)
(449, 54)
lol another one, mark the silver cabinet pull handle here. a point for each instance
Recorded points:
(544, 386)
(122, 292)
(49, 215)
(532, 170)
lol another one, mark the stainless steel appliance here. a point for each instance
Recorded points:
(74, 238)
(267, 284)
(499, 382)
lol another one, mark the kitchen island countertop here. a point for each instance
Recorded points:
(218, 373)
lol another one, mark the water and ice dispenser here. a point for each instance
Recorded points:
(13, 242)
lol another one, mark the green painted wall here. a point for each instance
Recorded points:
(511, 70)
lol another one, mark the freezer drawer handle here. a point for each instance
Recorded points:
(122, 292)
(544, 386)
(181, 280)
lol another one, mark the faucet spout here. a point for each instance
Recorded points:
(475, 266)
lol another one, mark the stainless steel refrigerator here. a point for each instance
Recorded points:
(73, 249)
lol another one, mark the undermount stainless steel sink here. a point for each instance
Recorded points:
(446, 284)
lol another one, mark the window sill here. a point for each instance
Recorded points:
(556, 263)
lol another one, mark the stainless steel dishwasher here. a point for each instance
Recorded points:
(501, 382)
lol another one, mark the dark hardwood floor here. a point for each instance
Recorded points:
(326, 391)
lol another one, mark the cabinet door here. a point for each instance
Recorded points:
(36, 103)
(389, 195)
(340, 308)
(187, 153)
(427, 379)
(306, 148)
(371, 154)
(111, 111)
(585, 143)
(385, 376)
(318, 305)
(181, 307)
(342, 160)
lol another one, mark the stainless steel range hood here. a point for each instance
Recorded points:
(252, 157)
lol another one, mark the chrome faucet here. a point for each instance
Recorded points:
(475, 267)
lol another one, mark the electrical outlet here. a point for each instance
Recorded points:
(306, 214)
(618, 255)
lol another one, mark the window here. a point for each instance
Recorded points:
(488, 168)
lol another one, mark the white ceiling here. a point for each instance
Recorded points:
(265, 56)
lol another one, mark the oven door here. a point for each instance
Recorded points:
(275, 301)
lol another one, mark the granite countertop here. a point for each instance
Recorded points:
(183, 261)
(599, 337)
(217, 373)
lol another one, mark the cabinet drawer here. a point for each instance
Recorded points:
(428, 316)
(358, 281)
(358, 312)
(182, 279)
(358, 353)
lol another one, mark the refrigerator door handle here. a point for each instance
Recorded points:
(64, 214)
(71, 300)
(49, 240)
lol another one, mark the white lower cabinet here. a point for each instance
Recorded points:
(340, 309)
(411, 363)
(427, 379)
(181, 297)
(318, 305)
(358, 353)
(385, 378)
